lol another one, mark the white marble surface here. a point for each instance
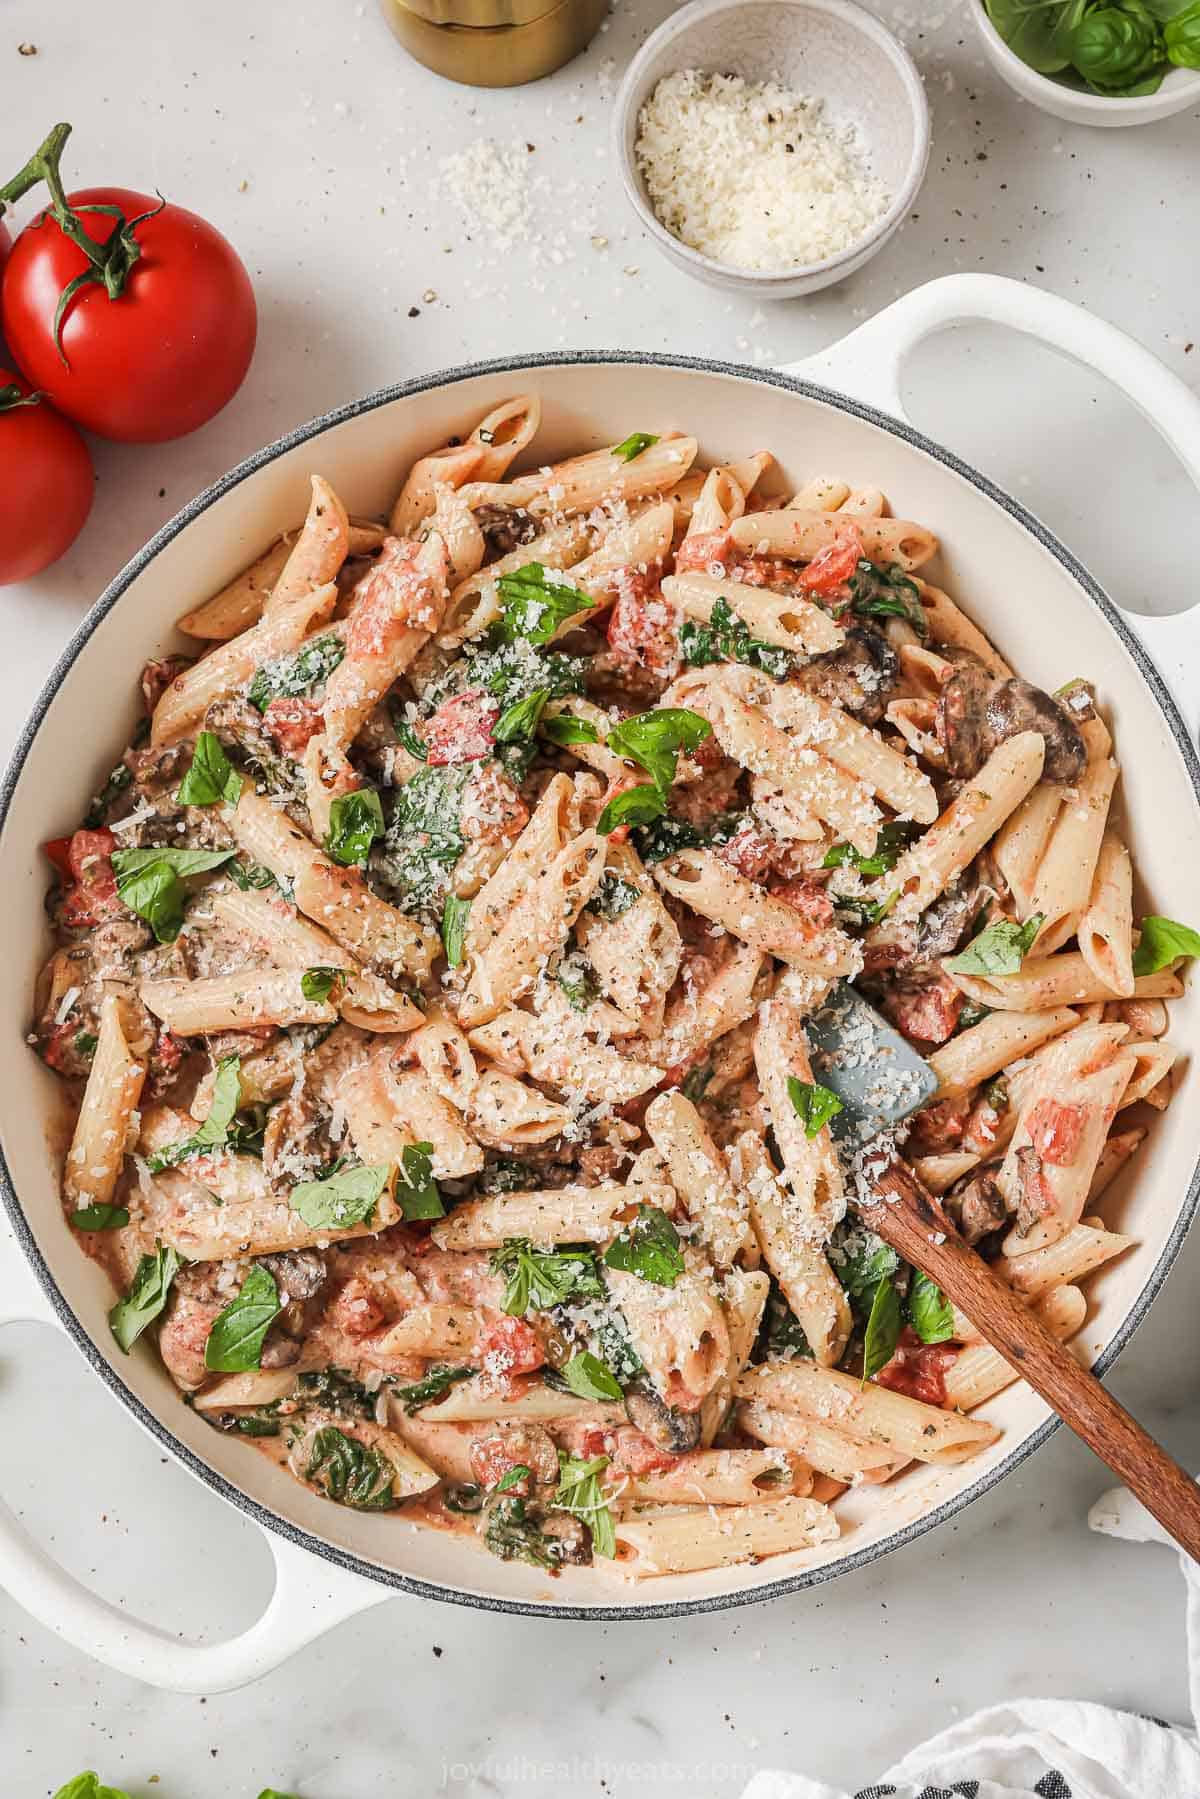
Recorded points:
(305, 133)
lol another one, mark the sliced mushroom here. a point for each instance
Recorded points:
(860, 676)
(506, 528)
(665, 1425)
(979, 1207)
(976, 712)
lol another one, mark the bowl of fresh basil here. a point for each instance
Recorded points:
(1095, 63)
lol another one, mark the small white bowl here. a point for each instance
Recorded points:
(829, 49)
(1078, 105)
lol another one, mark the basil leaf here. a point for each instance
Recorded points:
(147, 1295)
(648, 1247)
(355, 821)
(513, 1478)
(613, 897)
(883, 1329)
(998, 949)
(726, 637)
(416, 1190)
(406, 735)
(100, 1218)
(235, 1342)
(424, 838)
(654, 739)
(635, 806)
(317, 984)
(520, 720)
(814, 1105)
(930, 1312)
(434, 1385)
(1163, 942)
(150, 883)
(633, 445)
(211, 776)
(535, 602)
(250, 876)
(343, 1199)
(214, 1132)
(286, 676)
(349, 1472)
(455, 914)
(514, 1537)
(878, 592)
(565, 729)
(579, 1492)
(861, 1260)
(536, 1279)
(273, 1793)
(587, 1375)
(87, 1786)
(510, 671)
(893, 839)
(577, 978)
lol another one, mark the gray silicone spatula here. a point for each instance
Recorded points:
(879, 1078)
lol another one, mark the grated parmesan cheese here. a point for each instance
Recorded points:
(752, 174)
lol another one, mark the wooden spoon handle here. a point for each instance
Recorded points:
(915, 1225)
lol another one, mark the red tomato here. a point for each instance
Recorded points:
(929, 1013)
(748, 851)
(93, 897)
(833, 566)
(293, 723)
(47, 491)
(163, 356)
(643, 628)
(461, 729)
(1055, 1130)
(919, 1369)
(808, 898)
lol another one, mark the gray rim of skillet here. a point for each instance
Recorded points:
(404, 1583)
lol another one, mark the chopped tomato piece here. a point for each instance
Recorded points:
(62, 1051)
(166, 1057)
(919, 1369)
(833, 566)
(808, 898)
(702, 550)
(491, 1459)
(293, 723)
(397, 594)
(93, 897)
(59, 852)
(643, 627)
(927, 1014)
(509, 1347)
(748, 851)
(633, 1452)
(461, 729)
(1055, 1130)
(356, 1310)
(939, 1127)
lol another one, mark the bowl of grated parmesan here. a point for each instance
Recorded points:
(772, 146)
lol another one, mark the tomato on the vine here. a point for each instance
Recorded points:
(136, 317)
(46, 493)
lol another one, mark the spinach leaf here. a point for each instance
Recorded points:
(432, 1386)
(783, 1337)
(666, 836)
(1163, 941)
(343, 1199)
(455, 914)
(355, 821)
(416, 1190)
(235, 1342)
(251, 875)
(97, 813)
(635, 806)
(518, 722)
(513, 1478)
(586, 1375)
(211, 776)
(726, 638)
(930, 1312)
(512, 671)
(634, 444)
(613, 897)
(861, 1260)
(336, 1391)
(577, 978)
(85, 1044)
(884, 1325)
(565, 729)
(649, 1247)
(536, 602)
(998, 949)
(214, 1132)
(893, 839)
(877, 592)
(512, 1534)
(317, 984)
(654, 739)
(862, 913)
(100, 1218)
(147, 1295)
(150, 883)
(349, 1472)
(579, 1492)
(406, 735)
(695, 1084)
(814, 1105)
(424, 837)
(287, 676)
(536, 1279)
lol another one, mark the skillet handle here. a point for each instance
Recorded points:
(868, 365)
(310, 1596)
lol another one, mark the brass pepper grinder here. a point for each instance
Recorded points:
(494, 43)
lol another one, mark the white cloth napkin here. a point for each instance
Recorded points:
(1047, 1748)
